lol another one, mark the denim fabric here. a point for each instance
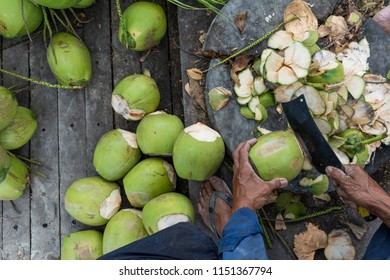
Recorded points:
(379, 246)
(242, 238)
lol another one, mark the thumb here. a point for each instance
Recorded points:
(335, 174)
(277, 183)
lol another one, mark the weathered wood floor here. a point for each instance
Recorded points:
(71, 123)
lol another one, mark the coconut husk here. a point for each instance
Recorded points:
(306, 19)
(306, 243)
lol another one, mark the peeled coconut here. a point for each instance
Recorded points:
(167, 210)
(69, 60)
(84, 4)
(57, 4)
(16, 180)
(20, 130)
(198, 152)
(144, 25)
(148, 179)
(277, 155)
(92, 200)
(135, 96)
(157, 133)
(5, 163)
(17, 20)
(82, 245)
(8, 107)
(115, 154)
(123, 228)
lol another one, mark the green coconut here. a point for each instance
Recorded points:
(8, 107)
(277, 155)
(82, 245)
(5, 164)
(123, 228)
(148, 179)
(20, 130)
(198, 152)
(69, 60)
(16, 180)
(57, 4)
(144, 25)
(92, 200)
(167, 210)
(135, 96)
(157, 133)
(17, 20)
(115, 154)
(84, 4)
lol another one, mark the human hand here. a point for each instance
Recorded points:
(383, 19)
(249, 190)
(355, 186)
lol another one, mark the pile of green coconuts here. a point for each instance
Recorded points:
(143, 165)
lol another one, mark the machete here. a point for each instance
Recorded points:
(312, 141)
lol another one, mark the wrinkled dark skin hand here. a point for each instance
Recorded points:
(357, 188)
(249, 190)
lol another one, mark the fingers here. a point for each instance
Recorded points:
(242, 149)
(277, 183)
(335, 174)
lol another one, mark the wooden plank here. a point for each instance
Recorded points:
(44, 148)
(72, 149)
(124, 62)
(99, 113)
(174, 62)
(16, 222)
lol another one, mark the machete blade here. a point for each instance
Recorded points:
(302, 123)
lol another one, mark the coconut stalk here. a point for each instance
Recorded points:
(255, 43)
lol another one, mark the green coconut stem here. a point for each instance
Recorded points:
(374, 139)
(255, 43)
(268, 220)
(69, 24)
(24, 20)
(46, 27)
(30, 161)
(316, 214)
(76, 16)
(56, 17)
(39, 82)
(121, 21)
(266, 235)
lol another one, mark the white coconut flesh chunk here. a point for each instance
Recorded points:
(298, 56)
(253, 104)
(285, 93)
(280, 40)
(121, 106)
(272, 66)
(202, 132)
(313, 99)
(243, 100)
(263, 58)
(356, 86)
(326, 60)
(158, 113)
(244, 89)
(110, 205)
(129, 137)
(259, 86)
(171, 173)
(172, 219)
(286, 76)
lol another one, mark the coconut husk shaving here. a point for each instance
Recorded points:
(308, 242)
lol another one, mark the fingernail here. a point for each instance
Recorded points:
(328, 169)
